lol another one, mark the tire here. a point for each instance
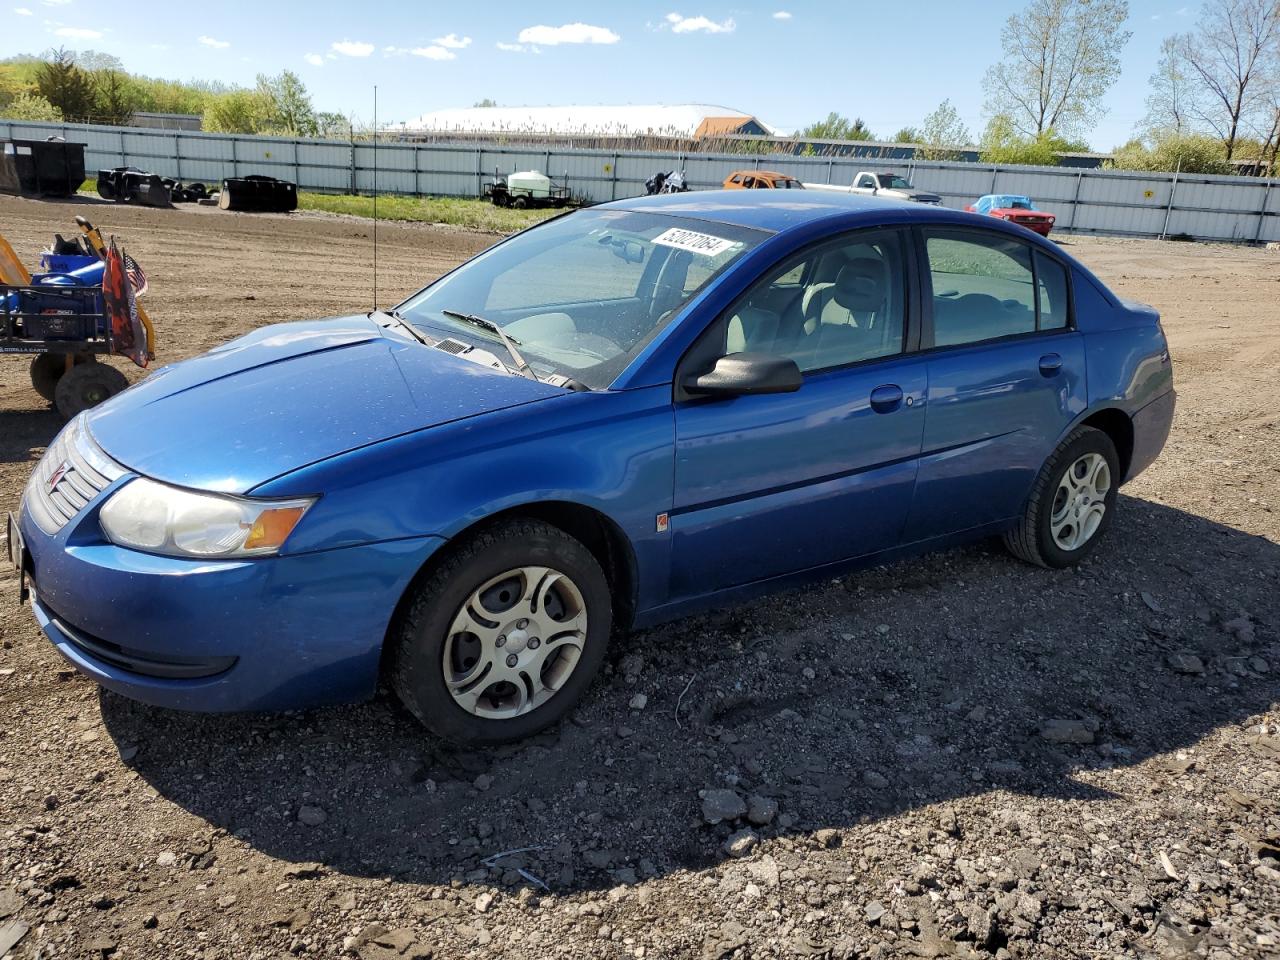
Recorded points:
(87, 386)
(47, 369)
(498, 572)
(1071, 504)
(520, 203)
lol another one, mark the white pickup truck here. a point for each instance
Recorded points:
(880, 185)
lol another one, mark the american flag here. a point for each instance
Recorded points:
(137, 279)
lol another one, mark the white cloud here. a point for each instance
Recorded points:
(681, 24)
(453, 42)
(352, 48)
(434, 53)
(22, 11)
(314, 59)
(511, 47)
(78, 33)
(569, 33)
(55, 3)
(782, 15)
(216, 44)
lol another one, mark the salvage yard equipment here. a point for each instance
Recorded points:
(525, 190)
(258, 194)
(36, 168)
(131, 185)
(68, 316)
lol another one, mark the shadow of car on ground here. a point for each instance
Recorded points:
(954, 676)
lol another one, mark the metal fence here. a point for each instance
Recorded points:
(1240, 209)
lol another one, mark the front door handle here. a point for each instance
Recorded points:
(1050, 364)
(886, 398)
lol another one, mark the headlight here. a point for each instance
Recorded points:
(158, 518)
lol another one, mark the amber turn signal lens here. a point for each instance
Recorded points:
(273, 527)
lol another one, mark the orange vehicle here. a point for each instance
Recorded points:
(755, 179)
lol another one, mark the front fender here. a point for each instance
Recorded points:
(610, 451)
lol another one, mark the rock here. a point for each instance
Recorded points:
(1241, 628)
(1264, 872)
(599, 859)
(397, 940)
(882, 629)
(102, 945)
(128, 751)
(311, 816)
(484, 902)
(1187, 663)
(9, 902)
(10, 934)
(741, 843)
(873, 911)
(1258, 665)
(1150, 601)
(1063, 730)
(624, 733)
(150, 921)
(828, 837)
(631, 665)
(166, 859)
(809, 673)
(761, 810)
(874, 780)
(483, 782)
(638, 702)
(720, 805)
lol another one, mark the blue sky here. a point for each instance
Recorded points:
(789, 62)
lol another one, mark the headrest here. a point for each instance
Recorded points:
(862, 285)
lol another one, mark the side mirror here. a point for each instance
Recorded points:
(742, 374)
(632, 251)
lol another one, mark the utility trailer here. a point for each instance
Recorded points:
(41, 168)
(525, 190)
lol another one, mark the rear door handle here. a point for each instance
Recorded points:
(886, 398)
(1050, 364)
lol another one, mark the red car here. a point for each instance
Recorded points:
(1015, 209)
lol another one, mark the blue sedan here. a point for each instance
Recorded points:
(612, 419)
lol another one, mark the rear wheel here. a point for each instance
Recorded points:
(503, 638)
(47, 369)
(520, 203)
(85, 386)
(1072, 502)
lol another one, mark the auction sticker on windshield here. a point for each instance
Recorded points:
(694, 242)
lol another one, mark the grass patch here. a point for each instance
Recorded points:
(474, 214)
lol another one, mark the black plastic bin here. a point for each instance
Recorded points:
(34, 168)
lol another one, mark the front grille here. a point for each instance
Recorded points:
(72, 472)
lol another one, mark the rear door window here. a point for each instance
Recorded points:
(1055, 298)
(983, 287)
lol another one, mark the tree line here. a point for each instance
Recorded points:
(1214, 98)
(93, 87)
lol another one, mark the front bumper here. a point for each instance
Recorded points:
(269, 633)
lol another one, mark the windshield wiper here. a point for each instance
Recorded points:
(507, 341)
(409, 327)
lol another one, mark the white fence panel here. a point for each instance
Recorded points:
(1084, 200)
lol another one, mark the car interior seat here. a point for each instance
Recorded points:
(752, 330)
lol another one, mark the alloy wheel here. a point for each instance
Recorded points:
(1080, 501)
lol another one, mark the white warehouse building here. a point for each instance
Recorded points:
(687, 120)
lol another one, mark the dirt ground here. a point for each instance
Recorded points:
(958, 755)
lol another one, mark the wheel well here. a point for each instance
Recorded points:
(1116, 425)
(595, 531)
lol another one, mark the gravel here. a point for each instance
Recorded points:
(958, 755)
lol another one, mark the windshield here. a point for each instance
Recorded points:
(893, 182)
(1010, 202)
(581, 295)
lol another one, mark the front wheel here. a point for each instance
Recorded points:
(503, 638)
(85, 386)
(1072, 502)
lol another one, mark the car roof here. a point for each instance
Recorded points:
(778, 211)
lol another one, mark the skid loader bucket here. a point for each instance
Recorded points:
(258, 193)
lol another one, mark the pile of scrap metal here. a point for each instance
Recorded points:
(259, 194)
(666, 181)
(131, 185)
(41, 168)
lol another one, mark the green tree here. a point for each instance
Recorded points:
(66, 86)
(836, 127)
(1060, 59)
(289, 105)
(486, 102)
(332, 126)
(237, 111)
(906, 135)
(115, 99)
(1003, 143)
(1169, 150)
(29, 106)
(942, 134)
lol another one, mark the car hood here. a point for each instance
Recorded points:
(1020, 212)
(289, 395)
